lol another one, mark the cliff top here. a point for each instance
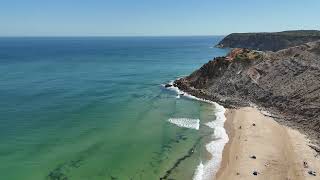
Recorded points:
(283, 33)
(267, 41)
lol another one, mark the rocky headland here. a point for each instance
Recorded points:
(285, 83)
(269, 41)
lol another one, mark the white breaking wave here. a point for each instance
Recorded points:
(199, 172)
(186, 122)
(178, 91)
(207, 170)
(215, 147)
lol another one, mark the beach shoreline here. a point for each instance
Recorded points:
(261, 148)
(228, 127)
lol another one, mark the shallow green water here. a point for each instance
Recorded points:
(94, 108)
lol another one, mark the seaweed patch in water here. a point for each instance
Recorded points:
(60, 172)
(113, 178)
(179, 161)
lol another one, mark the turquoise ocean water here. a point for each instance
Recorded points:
(94, 108)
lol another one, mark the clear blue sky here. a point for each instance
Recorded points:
(154, 17)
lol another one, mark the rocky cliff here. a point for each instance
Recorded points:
(269, 41)
(286, 83)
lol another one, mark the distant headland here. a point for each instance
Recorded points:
(269, 41)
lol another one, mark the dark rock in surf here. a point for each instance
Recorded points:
(168, 85)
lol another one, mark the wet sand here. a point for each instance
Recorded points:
(260, 148)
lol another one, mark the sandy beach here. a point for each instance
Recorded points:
(260, 148)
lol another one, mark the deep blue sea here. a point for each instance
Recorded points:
(93, 108)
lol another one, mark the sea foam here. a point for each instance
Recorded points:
(207, 170)
(215, 147)
(199, 172)
(186, 122)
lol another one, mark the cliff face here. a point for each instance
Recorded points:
(286, 83)
(269, 41)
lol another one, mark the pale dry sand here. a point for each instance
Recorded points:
(280, 151)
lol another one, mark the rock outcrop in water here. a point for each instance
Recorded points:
(269, 41)
(286, 83)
